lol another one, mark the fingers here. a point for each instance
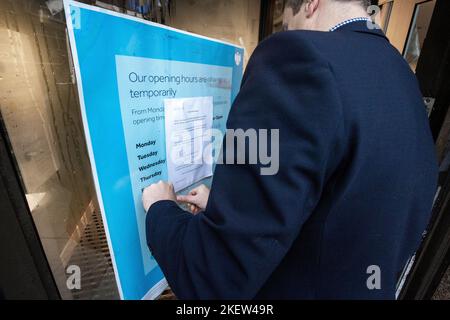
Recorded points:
(196, 199)
(196, 190)
(194, 209)
(190, 203)
(186, 198)
(191, 197)
(157, 192)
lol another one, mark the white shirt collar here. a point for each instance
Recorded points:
(347, 22)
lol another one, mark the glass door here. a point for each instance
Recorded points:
(40, 111)
(41, 114)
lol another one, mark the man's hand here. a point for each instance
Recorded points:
(157, 192)
(197, 199)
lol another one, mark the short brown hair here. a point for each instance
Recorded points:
(296, 4)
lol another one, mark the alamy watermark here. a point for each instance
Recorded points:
(73, 281)
(373, 12)
(198, 145)
(374, 280)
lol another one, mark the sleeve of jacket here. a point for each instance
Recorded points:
(251, 220)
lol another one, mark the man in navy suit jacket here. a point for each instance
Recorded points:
(356, 178)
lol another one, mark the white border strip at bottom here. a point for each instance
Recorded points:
(156, 291)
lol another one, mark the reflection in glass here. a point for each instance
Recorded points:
(278, 16)
(385, 15)
(418, 31)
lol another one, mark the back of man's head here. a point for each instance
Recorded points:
(321, 15)
(296, 4)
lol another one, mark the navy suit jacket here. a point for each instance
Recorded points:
(354, 188)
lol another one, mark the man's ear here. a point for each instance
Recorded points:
(311, 7)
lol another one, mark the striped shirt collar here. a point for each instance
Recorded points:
(347, 22)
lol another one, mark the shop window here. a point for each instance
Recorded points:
(40, 110)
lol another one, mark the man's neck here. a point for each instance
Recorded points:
(335, 13)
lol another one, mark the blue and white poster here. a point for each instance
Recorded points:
(126, 69)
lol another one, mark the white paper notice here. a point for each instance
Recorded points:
(188, 124)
